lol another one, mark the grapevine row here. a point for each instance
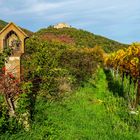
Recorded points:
(126, 62)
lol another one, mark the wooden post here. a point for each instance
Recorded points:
(138, 86)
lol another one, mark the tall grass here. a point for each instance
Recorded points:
(91, 113)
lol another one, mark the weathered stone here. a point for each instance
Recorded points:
(12, 36)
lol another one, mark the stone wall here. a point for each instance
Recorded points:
(13, 66)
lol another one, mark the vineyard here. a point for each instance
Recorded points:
(74, 85)
(126, 64)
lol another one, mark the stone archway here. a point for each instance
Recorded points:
(12, 41)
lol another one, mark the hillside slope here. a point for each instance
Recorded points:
(74, 37)
(78, 37)
(2, 24)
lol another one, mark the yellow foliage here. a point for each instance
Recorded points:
(126, 61)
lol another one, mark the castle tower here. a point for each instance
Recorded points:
(12, 36)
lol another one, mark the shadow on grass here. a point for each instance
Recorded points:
(113, 85)
(36, 87)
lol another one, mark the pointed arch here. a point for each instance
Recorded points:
(12, 40)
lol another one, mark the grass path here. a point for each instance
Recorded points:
(91, 113)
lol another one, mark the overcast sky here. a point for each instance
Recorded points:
(115, 19)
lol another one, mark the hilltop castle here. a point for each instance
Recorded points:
(62, 25)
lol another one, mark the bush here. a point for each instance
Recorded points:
(55, 67)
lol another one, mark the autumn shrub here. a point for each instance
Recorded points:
(55, 68)
(9, 90)
(82, 62)
(15, 103)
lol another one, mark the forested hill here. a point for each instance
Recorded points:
(78, 38)
(74, 37)
(3, 24)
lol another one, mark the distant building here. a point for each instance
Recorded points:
(61, 25)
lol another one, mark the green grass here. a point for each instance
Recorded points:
(91, 113)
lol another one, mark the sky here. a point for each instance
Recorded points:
(116, 19)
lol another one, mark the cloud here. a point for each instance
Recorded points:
(116, 19)
(33, 6)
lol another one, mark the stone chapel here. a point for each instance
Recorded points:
(12, 36)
